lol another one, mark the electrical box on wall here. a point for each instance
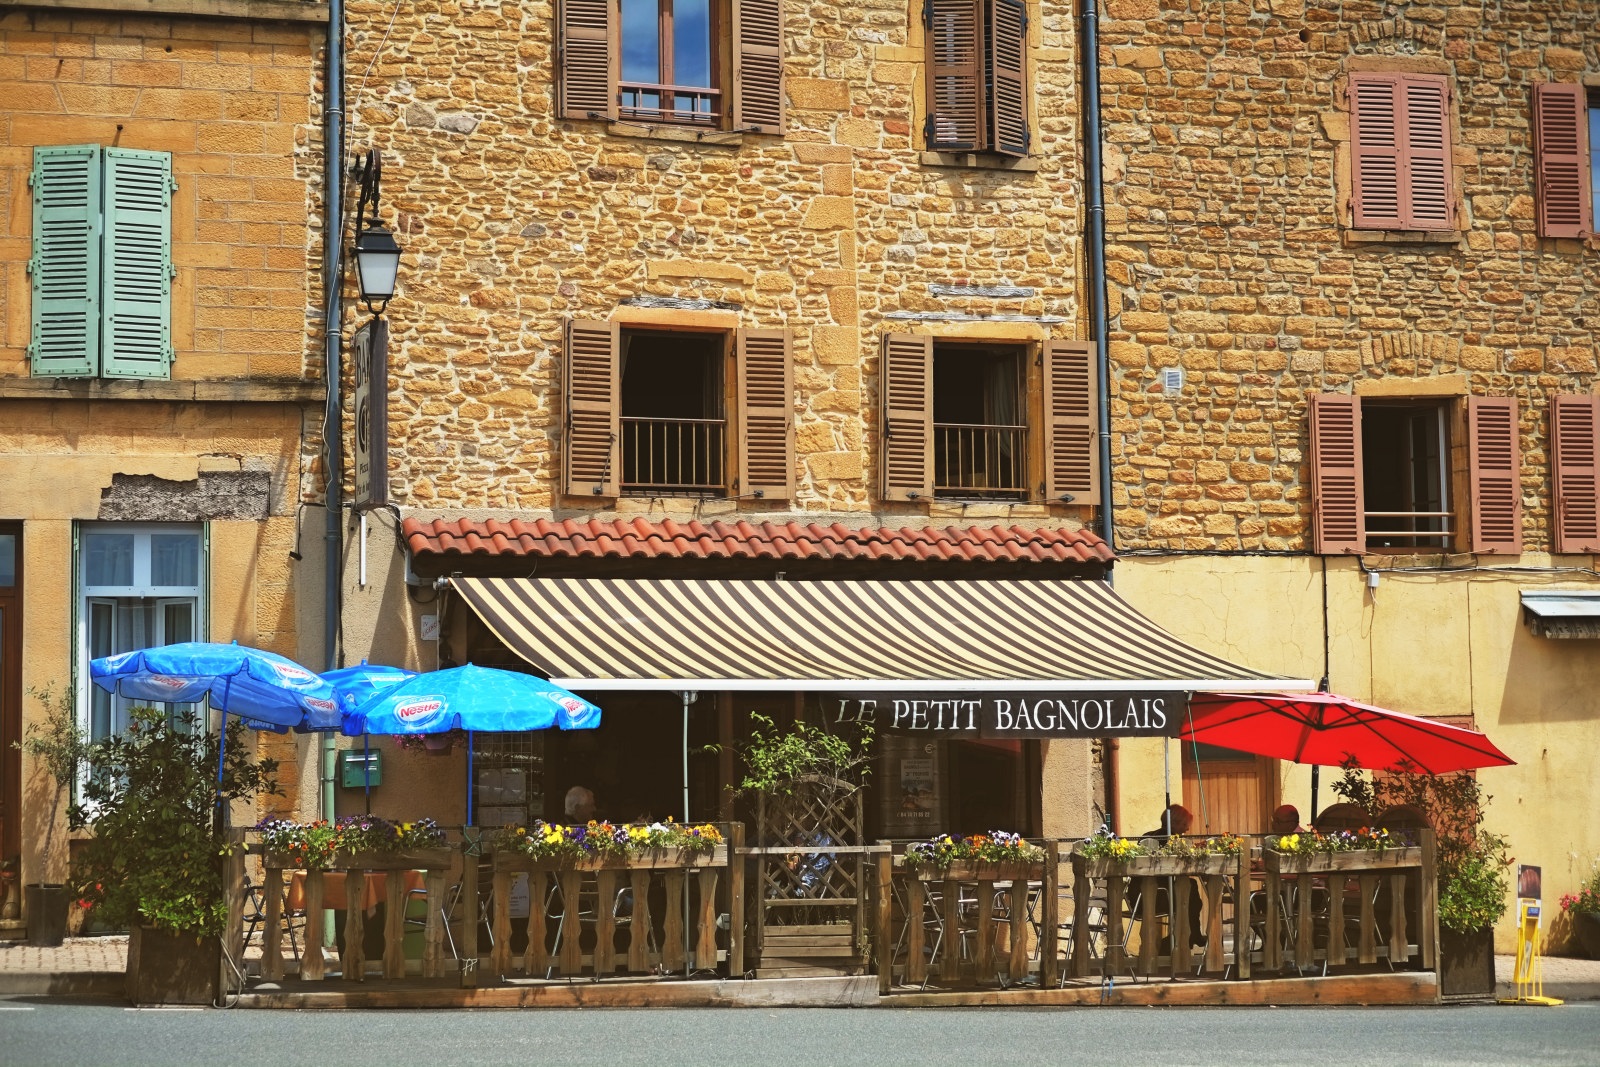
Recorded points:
(358, 770)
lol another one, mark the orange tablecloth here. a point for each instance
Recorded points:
(333, 888)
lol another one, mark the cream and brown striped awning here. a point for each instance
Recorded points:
(607, 633)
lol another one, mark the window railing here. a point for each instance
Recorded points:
(673, 455)
(978, 459)
(1421, 529)
(646, 102)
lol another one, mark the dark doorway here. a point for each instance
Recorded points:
(10, 689)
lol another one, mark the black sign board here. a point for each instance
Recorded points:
(1014, 715)
(370, 347)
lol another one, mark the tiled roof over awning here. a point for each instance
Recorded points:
(603, 633)
(644, 539)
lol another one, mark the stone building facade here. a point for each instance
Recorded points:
(150, 486)
(1249, 286)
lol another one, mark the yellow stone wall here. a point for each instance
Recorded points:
(514, 221)
(230, 99)
(1423, 643)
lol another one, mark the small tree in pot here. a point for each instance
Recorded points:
(153, 801)
(58, 746)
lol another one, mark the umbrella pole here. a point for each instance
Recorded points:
(1315, 773)
(469, 777)
(222, 749)
(1166, 785)
(366, 748)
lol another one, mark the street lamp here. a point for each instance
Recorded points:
(377, 263)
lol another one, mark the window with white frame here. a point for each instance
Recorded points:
(140, 585)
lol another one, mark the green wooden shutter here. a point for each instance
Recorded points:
(136, 279)
(65, 267)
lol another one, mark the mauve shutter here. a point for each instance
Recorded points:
(593, 402)
(1375, 151)
(65, 268)
(907, 417)
(955, 97)
(1494, 461)
(1561, 160)
(1575, 444)
(1008, 97)
(587, 82)
(1338, 519)
(1426, 199)
(136, 265)
(1070, 423)
(766, 417)
(758, 65)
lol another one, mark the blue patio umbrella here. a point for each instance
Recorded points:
(354, 686)
(471, 698)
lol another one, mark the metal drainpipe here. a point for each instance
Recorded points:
(332, 242)
(1095, 225)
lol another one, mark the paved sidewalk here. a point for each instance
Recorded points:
(1564, 977)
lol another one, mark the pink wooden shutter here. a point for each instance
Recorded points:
(586, 84)
(1561, 160)
(766, 415)
(594, 391)
(1575, 444)
(1375, 151)
(758, 65)
(907, 417)
(1427, 199)
(1493, 459)
(1070, 422)
(1338, 519)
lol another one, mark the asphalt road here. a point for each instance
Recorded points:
(35, 1031)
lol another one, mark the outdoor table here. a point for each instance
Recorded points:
(334, 896)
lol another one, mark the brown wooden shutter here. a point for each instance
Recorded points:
(1575, 444)
(907, 417)
(758, 65)
(593, 409)
(1008, 94)
(586, 54)
(1375, 150)
(766, 416)
(1428, 202)
(1071, 392)
(955, 82)
(1338, 519)
(1561, 160)
(1495, 471)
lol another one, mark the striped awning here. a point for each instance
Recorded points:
(606, 633)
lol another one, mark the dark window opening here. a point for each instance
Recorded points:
(1404, 476)
(673, 420)
(980, 432)
(1593, 101)
(668, 62)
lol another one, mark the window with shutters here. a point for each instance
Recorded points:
(654, 412)
(1401, 171)
(662, 62)
(1417, 474)
(977, 83)
(993, 421)
(101, 269)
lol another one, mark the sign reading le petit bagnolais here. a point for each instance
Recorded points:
(1014, 715)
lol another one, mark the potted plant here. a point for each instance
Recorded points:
(154, 803)
(1470, 863)
(57, 745)
(1583, 912)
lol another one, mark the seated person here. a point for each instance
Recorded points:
(1176, 820)
(579, 805)
(1285, 819)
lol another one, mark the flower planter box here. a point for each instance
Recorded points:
(420, 859)
(1357, 860)
(1154, 866)
(1466, 963)
(169, 968)
(47, 907)
(1586, 933)
(648, 860)
(975, 871)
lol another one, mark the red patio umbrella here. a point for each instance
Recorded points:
(1326, 729)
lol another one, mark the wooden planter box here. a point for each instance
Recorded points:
(422, 859)
(1154, 866)
(650, 860)
(967, 871)
(1466, 963)
(168, 968)
(1359, 860)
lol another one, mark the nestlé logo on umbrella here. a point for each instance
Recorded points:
(419, 712)
(291, 673)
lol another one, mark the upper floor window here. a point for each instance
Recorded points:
(977, 78)
(966, 419)
(102, 263)
(1384, 474)
(140, 585)
(1566, 148)
(661, 61)
(647, 412)
(1401, 173)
